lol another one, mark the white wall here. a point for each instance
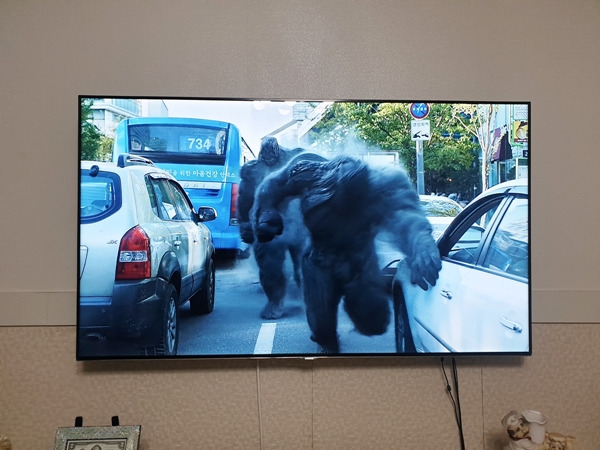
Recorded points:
(51, 51)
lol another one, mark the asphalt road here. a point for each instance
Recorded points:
(235, 326)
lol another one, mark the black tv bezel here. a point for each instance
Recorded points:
(316, 355)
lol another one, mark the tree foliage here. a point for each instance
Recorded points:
(450, 156)
(477, 120)
(89, 140)
(94, 146)
(106, 148)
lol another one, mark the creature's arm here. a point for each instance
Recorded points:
(406, 220)
(291, 182)
(247, 187)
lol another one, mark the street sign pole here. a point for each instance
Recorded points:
(420, 169)
(420, 131)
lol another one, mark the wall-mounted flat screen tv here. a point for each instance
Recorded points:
(227, 228)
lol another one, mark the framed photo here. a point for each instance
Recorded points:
(98, 438)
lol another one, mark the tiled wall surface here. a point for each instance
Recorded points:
(341, 404)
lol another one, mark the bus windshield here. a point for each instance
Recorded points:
(179, 143)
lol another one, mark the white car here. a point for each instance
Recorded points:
(440, 212)
(480, 302)
(143, 252)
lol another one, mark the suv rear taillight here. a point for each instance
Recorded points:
(233, 220)
(133, 261)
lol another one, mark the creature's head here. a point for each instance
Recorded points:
(349, 178)
(343, 179)
(270, 153)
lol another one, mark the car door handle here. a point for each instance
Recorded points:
(511, 324)
(446, 294)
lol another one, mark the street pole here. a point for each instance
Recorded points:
(420, 169)
(420, 131)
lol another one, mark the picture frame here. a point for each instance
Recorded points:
(98, 438)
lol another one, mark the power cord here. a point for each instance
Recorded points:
(455, 399)
(260, 427)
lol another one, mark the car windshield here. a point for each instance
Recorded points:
(440, 207)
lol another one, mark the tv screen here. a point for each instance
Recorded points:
(224, 228)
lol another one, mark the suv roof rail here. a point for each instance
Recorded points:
(126, 159)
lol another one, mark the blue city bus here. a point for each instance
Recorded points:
(205, 156)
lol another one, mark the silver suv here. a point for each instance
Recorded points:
(143, 252)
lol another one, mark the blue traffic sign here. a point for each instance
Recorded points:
(419, 110)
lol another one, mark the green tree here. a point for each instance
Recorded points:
(450, 163)
(478, 120)
(106, 148)
(90, 139)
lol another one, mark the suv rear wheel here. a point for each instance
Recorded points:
(168, 328)
(203, 302)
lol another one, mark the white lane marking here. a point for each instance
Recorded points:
(264, 341)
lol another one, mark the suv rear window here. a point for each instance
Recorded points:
(99, 195)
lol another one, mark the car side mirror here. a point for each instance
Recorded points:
(206, 214)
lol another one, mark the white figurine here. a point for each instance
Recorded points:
(517, 428)
(5, 443)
